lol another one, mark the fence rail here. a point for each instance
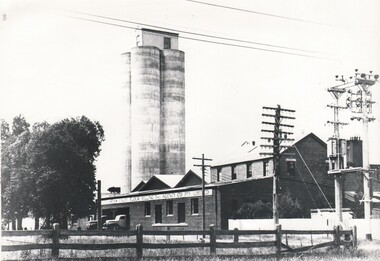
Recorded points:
(212, 233)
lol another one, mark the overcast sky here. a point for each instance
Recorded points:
(54, 66)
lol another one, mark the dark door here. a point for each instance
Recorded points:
(181, 213)
(158, 213)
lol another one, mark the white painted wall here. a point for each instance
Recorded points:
(306, 224)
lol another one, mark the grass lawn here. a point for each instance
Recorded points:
(366, 251)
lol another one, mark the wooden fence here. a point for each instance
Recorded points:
(213, 243)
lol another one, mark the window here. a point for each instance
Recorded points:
(167, 43)
(169, 208)
(290, 167)
(147, 209)
(218, 172)
(233, 172)
(265, 168)
(249, 170)
(194, 206)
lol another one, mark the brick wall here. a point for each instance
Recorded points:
(241, 171)
(314, 155)
(137, 212)
(234, 195)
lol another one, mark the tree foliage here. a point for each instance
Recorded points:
(289, 206)
(15, 179)
(50, 171)
(258, 209)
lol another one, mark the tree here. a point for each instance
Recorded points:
(289, 206)
(16, 182)
(250, 210)
(62, 158)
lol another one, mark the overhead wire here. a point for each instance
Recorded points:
(213, 42)
(255, 12)
(200, 34)
(308, 191)
(316, 182)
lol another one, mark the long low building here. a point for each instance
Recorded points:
(176, 200)
(183, 205)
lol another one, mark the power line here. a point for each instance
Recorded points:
(199, 34)
(213, 42)
(255, 12)
(316, 182)
(308, 191)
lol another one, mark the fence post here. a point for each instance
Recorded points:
(212, 240)
(236, 235)
(55, 239)
(139, 241)
(167, 235)
(278, 241)
(337, 236)
(354, 237)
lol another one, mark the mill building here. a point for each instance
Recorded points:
(177, 199)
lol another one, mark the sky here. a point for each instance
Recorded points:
(55, 65)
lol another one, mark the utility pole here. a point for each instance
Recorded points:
(335, 157)
(203, 166)
(278, 137)
(362, 103)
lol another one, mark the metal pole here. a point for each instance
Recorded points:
(203, 196)
(337, 178)
(366, 177)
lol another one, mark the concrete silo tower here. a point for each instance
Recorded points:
(156, 109)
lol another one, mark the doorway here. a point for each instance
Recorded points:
(158, 213)
(181, 213)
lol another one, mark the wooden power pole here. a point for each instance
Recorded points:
(203, 166)
(278, 137)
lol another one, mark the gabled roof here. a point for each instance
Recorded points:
(165, 181)
(139, 186)
(161, 182)
(313, 136)
(191, 178)
(245, 153)
(254, 154)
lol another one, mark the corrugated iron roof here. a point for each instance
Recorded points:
(247, 152)
(170, 179)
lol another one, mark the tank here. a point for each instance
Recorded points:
(172, 149)
(145, 113)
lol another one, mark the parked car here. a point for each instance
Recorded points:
(120, 222)
(93, 224)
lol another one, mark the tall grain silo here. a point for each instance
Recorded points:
(156, 106)
(173, 112)
(145, 112)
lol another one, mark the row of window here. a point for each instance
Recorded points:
(169, 207)
(290, 170)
